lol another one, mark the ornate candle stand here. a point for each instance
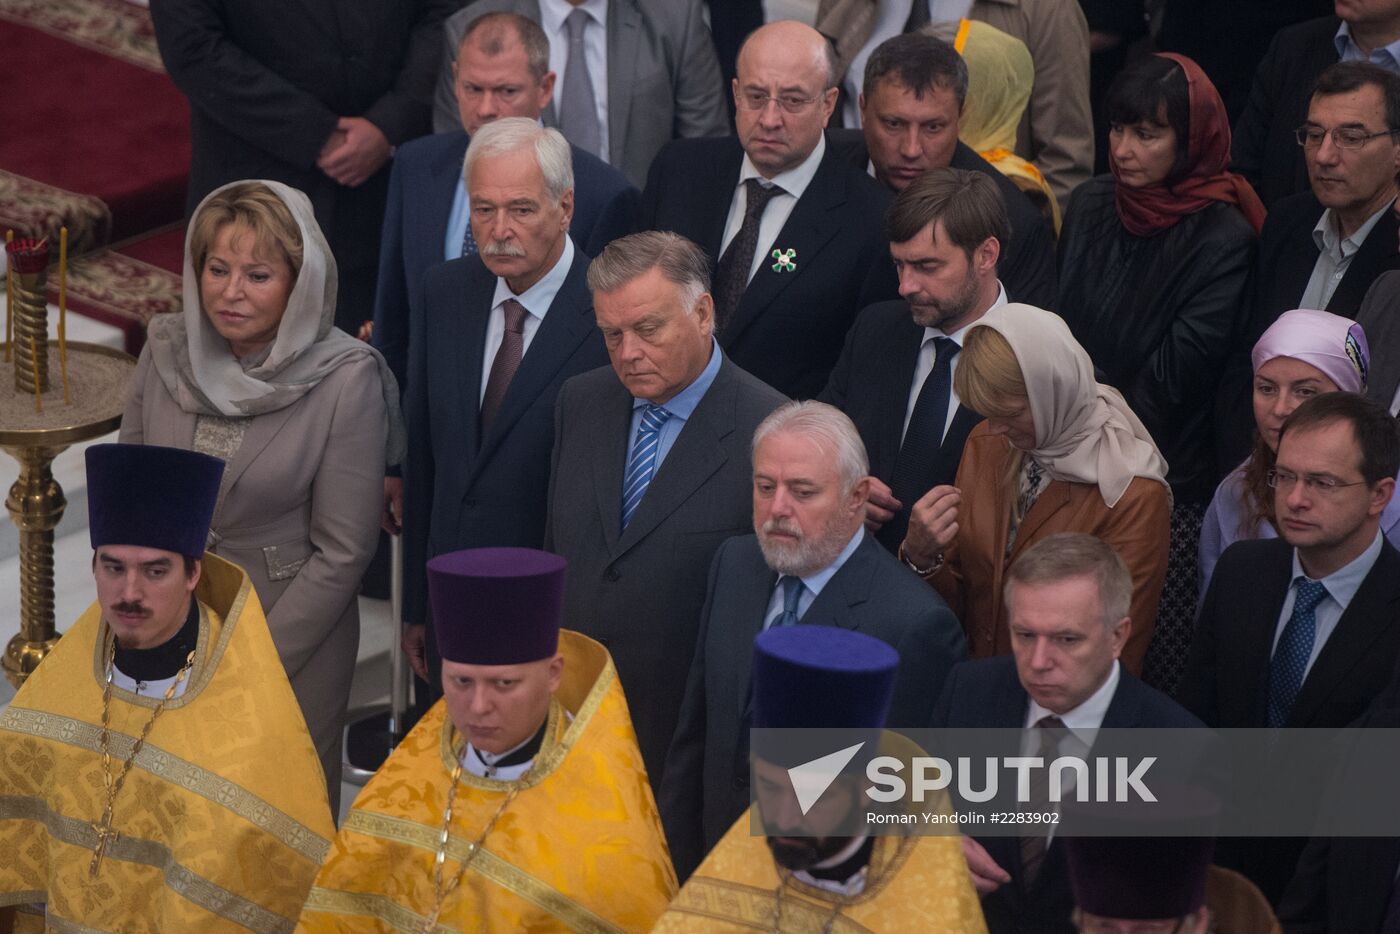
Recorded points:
(36, 425)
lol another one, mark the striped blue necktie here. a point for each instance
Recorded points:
(642, 464)
(1290, 660)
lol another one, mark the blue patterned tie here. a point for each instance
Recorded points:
(1290, 659)
(792, 592)
(642, 464)
(468, 241)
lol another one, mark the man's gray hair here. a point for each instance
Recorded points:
(1068, 555)
(680, 262)
(512, 134)
(826, 426)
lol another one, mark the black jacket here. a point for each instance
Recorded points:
(1157, 315)
(1264, 149)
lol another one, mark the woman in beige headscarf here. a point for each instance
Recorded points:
(305, 416)
(1000, 75)
(1058, 452)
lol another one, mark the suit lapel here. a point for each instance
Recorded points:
(1376, 255)
(950, 452)
(1297, 257)
(815, 219)
(1368, 616)
(611, 430)
(624, 30)
(1253, 635)
(849, 587)
(709, 209)
(565, 326)
(261, 431)
(467, 329)
(1052, 499)
(897, 381)
(432, 213)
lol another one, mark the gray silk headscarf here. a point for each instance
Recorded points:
(1084, 430)
(205, 378)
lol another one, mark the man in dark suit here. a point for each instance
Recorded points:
(501, 70)
(502, 330)
(1068, 599)
(809, 561)
(915, 88)
(895, 375)
(651, 472)
(648, 74)
(313, 94)
(1278, 98)
(1299, 631)
(1324, 247)
(796, 231)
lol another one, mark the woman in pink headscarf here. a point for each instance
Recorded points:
(1303, 354)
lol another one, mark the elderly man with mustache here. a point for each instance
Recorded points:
(809, 563)
(503, 329)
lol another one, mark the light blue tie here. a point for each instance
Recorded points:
(642, 464)
(792, 592)
(1290, 659)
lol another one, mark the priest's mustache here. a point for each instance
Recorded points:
(131, 609)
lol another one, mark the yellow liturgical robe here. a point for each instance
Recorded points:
(222, 820)
(576, 844)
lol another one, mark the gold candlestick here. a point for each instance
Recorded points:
(29, 260)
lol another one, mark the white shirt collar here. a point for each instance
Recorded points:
(846, 887)
(796, 179)
(818, 580)
(538, 297)
(1343, 583)
(1088, 716)
(1327, 237)
(554, 12)
(957, 336)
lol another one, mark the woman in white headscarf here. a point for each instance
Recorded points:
(1058, 452)
(305, 416)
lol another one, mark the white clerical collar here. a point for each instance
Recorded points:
(796, 179)
(958, 335)
(483, 764)
(152, 689)
(848, 887)
(1087, 718)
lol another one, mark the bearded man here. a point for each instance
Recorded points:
(809, 562)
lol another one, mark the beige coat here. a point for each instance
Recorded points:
(300, 513)
(1057, 129)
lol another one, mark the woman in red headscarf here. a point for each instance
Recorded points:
(1153, 262)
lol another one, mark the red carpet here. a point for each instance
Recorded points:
(129, 283)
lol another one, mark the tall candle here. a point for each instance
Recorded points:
(63, 312)
(9, 298)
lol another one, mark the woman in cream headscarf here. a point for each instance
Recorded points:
(1058, 452)
(305, 416)
(1000, 76)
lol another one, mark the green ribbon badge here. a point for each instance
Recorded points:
(785, 260)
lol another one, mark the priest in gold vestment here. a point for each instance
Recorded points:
(807, 677)
(519, 802)
(155, 771)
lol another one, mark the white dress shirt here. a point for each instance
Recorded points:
(536, 301)
(793, 182)
(925, 366)
(595, 54)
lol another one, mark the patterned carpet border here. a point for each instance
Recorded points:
(116, 27)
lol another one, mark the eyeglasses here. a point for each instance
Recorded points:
(1343, 137)
(791, 103)
(1285, 480)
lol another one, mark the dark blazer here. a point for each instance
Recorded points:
(1287, 254)
(1343, 884)
(1226, 680)
(706, 786)
(1377, 315)
(1027, 265)
(421, 188)
(987, 694)
(871, 384)
(266, 84)
(788, 327)
(640, 592)
(1264, 149)
(463, 490)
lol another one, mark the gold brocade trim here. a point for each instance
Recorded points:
(64, 926)
(379, 907)
(752, 907)
(486, 864)
(34, 897)
(194, 888)
(551, 753)
(176, 771)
